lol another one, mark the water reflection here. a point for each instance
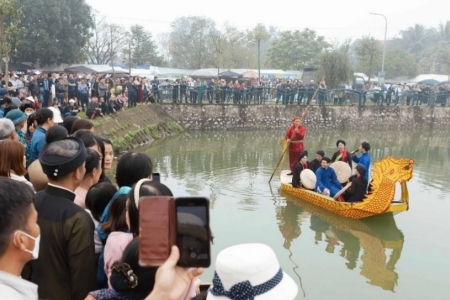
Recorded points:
(361, 242)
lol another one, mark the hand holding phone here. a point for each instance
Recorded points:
(184, 222)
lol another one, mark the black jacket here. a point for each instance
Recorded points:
(357, 190)
(66, 268)
(314, 165)
(298, 168)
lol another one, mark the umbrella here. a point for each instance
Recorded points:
(430, 82)
(18, 66)
(250, 74)
(229, 74)
(81, 69)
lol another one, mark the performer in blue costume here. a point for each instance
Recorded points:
(327, 182)
(364, 159)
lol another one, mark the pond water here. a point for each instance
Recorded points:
(401, 257)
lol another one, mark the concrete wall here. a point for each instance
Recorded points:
(223, 117)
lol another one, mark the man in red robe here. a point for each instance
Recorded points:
(294, 137)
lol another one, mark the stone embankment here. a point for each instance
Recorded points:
(137, 127)
(227, 117)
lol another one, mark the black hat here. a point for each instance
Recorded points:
(361, 169)
(55, 165)
(321, 153)
(23, 107)
(340, 141)
(302, 154)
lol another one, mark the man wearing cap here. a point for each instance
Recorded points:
(66, 265)
(19, 119)
(294, 137)
(357, 189)
(69, 108)
(7, 130)
(327, 182)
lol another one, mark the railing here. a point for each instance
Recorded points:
(297, 96)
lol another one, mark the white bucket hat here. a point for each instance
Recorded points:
(250, 271)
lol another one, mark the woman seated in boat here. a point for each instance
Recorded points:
(299, 166)
(357, 190)
(342, 154)
(327, 182)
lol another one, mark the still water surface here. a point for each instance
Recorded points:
(406, 257)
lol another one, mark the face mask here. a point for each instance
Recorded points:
(35, 252)
(28, 113)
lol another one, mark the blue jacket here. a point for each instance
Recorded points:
(364, 159)
(2, 112)
(37, 142)
(326, 178)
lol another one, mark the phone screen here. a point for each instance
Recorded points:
(156, 177)
(193, 237)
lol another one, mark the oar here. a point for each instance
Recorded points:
(303, 116)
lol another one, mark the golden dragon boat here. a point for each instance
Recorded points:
(380, 200)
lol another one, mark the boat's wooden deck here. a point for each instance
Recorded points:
(285, 178)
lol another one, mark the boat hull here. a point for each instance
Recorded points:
(344, 209)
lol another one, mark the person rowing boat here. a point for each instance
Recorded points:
(295, 135)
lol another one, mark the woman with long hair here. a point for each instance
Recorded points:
(12, 161)
(93, 171)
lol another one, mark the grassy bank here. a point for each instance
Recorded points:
(136, 126)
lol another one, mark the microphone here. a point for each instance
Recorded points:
(354, 152)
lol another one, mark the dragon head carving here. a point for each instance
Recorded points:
(395, 169)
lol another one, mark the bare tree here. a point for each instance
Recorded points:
(105, 43)
(164, 45)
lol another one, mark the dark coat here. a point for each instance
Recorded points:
(357, 190)
(298, 168)
(314, 165)
(66, 268)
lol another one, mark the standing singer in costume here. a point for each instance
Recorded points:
(294, 137)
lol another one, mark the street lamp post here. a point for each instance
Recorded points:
(385, 35)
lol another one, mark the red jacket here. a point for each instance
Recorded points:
(296, 136)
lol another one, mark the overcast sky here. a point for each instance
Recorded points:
(331, 18)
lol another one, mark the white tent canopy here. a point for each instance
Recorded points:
(437, 77)
(205, 73)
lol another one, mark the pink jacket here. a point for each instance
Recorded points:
(115, 244)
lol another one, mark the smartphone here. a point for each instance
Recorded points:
(156, 177)
(193, 233)
(157, 229)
